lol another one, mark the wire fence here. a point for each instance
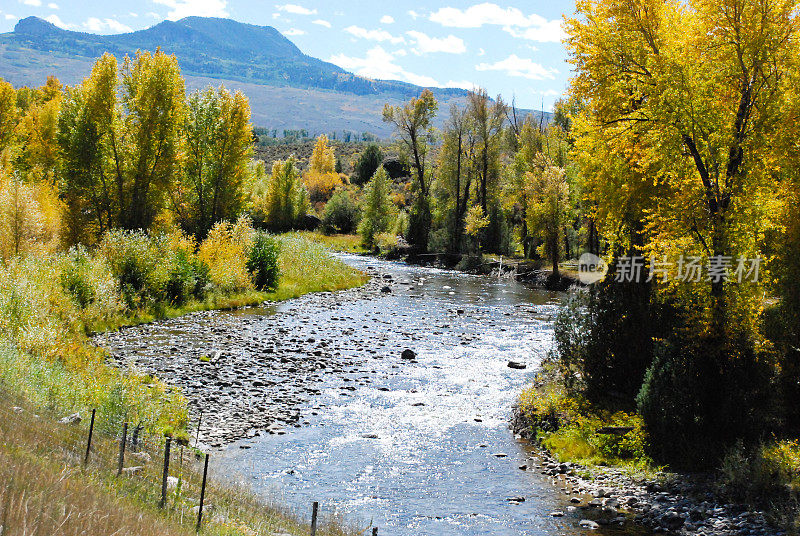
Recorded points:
(167, 474)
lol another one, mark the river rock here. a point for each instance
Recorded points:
(75, 418)
(408, 354)
(517, 365)
(589, 524)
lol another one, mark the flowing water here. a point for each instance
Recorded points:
(417, 447)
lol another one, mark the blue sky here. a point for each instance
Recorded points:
(512, 49)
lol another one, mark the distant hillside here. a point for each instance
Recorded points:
(287, 88)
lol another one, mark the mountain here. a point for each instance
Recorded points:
(287, 88)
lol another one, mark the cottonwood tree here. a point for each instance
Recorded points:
(286, 198)
(119, 133)
(689, 93)
(413, 124)
(218, 141)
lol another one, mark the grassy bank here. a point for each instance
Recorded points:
(567, 426)
(344, 243)
(49, 304)
(573, 430)
(45, 489)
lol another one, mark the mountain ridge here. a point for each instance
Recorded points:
(287, 88)
(218, 48)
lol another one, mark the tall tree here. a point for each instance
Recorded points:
(412, 123)
(487, 118)
(703, 133)
(147, 156)
(377, 208)
(218, 150)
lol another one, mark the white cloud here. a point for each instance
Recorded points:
(536, 27)
(374, 35)
(134, 15)
(380, 64)
(426, 44)
(463, 84)
(548, 32)
(322, 23)
(153, 15)
(547, 93)
(34, 3)
(96, 25)
(296, 10)
(401, 52)
(481, 52)
(387, 19)
(9, 16)
(516, 66)
(52, 5)
(199, 8)
(293, 31)
(414, 14)
(55, 19)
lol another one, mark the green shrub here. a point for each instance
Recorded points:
(368, 163)
(341, 214)
(182, 283)
(694, 396)
(138, 263)
(262, 261)
(76, 277)
(377, 211)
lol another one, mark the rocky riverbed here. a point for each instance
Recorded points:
(668, 503)
(239, 384)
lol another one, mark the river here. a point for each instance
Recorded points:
(416, 447)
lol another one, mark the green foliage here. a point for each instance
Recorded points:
(286, 199)
(341, 214)
(262, 261)
(419, 223)
(377, 208)
(567, 426)
(367, 164)
(75, 277)
(692, 404)
(217, 133)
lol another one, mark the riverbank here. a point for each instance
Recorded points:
(48, 306)
(530, 272)
(667, 502)
(238, 386)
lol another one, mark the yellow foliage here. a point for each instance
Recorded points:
(225, 253)
(321, 186)
(30, 218)
(323, 159)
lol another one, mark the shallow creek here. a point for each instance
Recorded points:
(310, 400)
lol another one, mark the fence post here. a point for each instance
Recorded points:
(199, 423)
(202, 495)
(89, 441)
(314, 511)
(163, 503)
(123, 440)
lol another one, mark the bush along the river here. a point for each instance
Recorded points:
(661, 395)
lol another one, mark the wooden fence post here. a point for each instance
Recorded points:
(199, 423)
(89, 441)
(123, 440)
(163, 503)
(202, 495)
(314, 511)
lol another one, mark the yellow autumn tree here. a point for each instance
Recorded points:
(321, 178)
(684, 98)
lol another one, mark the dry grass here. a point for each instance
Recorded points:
(45, 489)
